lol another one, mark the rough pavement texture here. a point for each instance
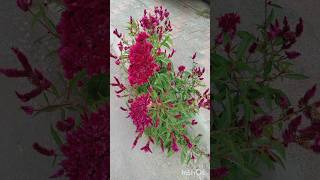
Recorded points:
(19, 131)
(191, 33)
(300, 164)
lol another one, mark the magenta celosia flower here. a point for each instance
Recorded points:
(66, 124)
(169, 66)
(139, 112)
(257, 125)
(299, 28)
(194, 56)
(34, 76)
(28, 109)
(84, 34)
(172, 53)
(174, 145)
(283, 102)
(24, 5)
(42, 150)
(308, 95)
(292, 54)
(189, 144)
(86, 151)
(219, 172)
(289, 135)
(161, 144)
(228, 23)
(194, 122)
(316, 145)
(115, 32)
(118, 84)
(274, 30)
(218, 39)
(146, 148)
(253, 47)
(152, 21)
(181, 68)
(142, 64)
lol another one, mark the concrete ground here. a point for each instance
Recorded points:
(300, 164)
(191, 34)
(19, 131)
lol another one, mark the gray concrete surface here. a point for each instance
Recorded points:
(191, 33)
(300, 164)
(18, 161)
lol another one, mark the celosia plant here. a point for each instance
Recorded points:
(82, 140)
(161, 101)
(254, 121)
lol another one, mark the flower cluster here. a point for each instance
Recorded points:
(86, 150)
(83, 30)
(33, 75)
(152, 21)
(289, 36)
(139, 112)
(142, 64)
(307, 137)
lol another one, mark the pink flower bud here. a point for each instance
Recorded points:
(292, 54)
(28, 109)
(43, 150)
(24, 5)
(194, 55)
(299, 28)
(181, 68)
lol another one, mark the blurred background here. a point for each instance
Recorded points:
(18, 131)
(300, 163)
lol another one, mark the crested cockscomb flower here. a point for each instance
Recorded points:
(257, 125)
(159, 18)
(84, 35)
(228, 23)
(66, 124)
(86, 151)
(142, 64)
(139, 112)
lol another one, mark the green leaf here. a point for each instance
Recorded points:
(55, 136)
(246, 39)
(295, 76)
(275, 5)
(271, 17)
